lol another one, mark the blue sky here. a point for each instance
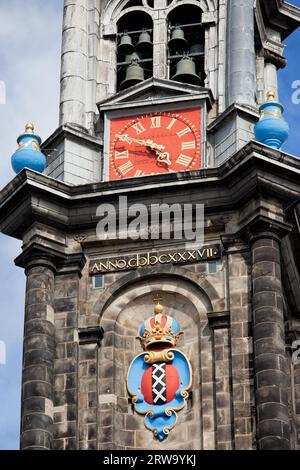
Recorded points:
(30, 42)
(286, 78)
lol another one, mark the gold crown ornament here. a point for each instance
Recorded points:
(159, 331)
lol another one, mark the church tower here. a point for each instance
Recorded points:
(159, 107)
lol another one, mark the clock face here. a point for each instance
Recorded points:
(156, 143)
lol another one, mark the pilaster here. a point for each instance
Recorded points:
(270, 361)
(239, 304)
(241, 53)
(89, 343)
(38, 356)
(74, 63)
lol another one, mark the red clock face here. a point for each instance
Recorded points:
(151, 144)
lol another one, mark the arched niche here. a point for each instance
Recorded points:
(120, 318)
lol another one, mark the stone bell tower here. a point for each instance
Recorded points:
(237, 47)
(159, 100)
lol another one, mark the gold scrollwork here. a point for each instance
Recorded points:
(33, 143)
(159, 356)
(275, 114)
(185, 393)
(166, 430)
(134, 399)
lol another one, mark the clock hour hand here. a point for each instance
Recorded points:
(163, 157)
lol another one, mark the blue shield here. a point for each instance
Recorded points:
(160, 388)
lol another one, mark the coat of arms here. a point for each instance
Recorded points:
(160, 378)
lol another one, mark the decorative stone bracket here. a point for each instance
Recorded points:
(219, 320)
(92, 335)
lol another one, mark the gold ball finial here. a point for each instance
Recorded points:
(158, 309)
(271, 95)
(29, 127)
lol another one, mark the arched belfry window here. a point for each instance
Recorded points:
(194, 58)
(134, 49)
(186, 45)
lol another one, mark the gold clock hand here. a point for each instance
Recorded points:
(163, 157)
(126, 138)
(154, 146)
(148, 143)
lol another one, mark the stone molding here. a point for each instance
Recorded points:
(219, 320)
(59, 262)
(92, 335)
(109, 294)
(255, 166)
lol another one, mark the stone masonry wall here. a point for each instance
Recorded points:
(66, 362)
(92, 406)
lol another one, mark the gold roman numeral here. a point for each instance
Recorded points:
(188, 145)
(169, 127)
(184, 160)
(184, 131)
(139, 173)
(120, 155)
(126, 168)
(139, 128)
(155, 122)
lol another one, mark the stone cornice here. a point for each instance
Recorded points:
(31, 197)
(262, 227)
(280, 15)
(274, 58)
(231, 112)
(73, 132)
(155, 91)
(41, 255)
(268, 39)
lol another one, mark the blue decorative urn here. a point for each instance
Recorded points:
(271, 129)
(28, 154)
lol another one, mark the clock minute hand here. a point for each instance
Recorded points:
(147, 143)
(126, 138)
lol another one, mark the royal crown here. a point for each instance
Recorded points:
(159, 331)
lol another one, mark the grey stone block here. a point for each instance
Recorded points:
(37, 389)
(37, 421)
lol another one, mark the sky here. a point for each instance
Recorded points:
(30, 42)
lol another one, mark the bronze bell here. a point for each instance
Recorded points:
(126, 46)
(178, 43)
(186, 72)
(145, 44)
(134, 74)
(133, 57)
